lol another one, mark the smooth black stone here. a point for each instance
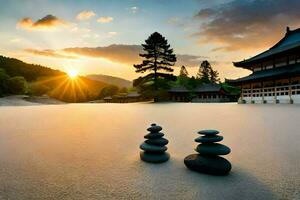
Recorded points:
(153, 148)
(154, 128)
(154, 158)
(154, 135)
(208, 132)
(209, 165)
(209, 138)
(212, 149)
(159, 141)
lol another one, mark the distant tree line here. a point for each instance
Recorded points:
(17, 77)
(12, 85)
(14, 67)
(112, 90)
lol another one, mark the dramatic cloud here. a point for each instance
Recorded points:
(248, 24)
(48, 22)
(105, 19)
(128, 54)
(86, 14)
(50, 53)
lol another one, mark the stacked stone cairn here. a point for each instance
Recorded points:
(208, 160)
(154, 149)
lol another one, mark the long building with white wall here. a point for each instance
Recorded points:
(275, 74)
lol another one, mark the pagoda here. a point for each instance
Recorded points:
(275, 76)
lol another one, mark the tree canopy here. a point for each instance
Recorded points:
(183, 72)
(206, 74)
(158, 57)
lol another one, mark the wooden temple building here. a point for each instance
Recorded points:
(206, 93)
(275, 74)
(124, 98)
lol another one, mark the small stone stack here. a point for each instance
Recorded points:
(208, 160)
(154, 149)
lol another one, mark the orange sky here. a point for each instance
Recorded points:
(104, 37)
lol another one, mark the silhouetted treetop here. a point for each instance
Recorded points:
(206, 74)
(158, 54)
(183, 72)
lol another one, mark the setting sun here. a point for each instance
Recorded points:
(72, 73)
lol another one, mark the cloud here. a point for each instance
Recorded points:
(128, 54)
(105, 19)
(248, 24)
(16, 40)
(189, 60)
(48, 22)
(50, 53)
(119, 53)
(134, 9)
(205, 13)
(112, 33)
(86, 14)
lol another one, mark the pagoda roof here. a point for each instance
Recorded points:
(210, 87)
(290, 41)
(179, 88)
(288, 71)
(133, 94)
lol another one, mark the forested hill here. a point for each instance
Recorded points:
(17, 77)
(31, 72)
(120, 82)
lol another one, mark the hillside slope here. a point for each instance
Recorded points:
(55, 83)
(120, 82)
(30, 72)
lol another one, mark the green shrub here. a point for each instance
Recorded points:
(3, 82)
(38, 89)
(17, 85)
(108, 91)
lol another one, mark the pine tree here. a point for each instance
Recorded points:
(204, 72)
(158, 56)
(183, 72)
(214, 76)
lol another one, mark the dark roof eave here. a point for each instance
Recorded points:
(288, 71)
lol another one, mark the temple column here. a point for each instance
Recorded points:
(242, 93)
(290, 91)
(262, 92)
(275, 91)
(251, 92)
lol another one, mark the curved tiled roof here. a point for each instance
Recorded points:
(291, 40)
(291, 70)
(211, 87)
(178, 88)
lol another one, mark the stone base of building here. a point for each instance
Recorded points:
(294, 99)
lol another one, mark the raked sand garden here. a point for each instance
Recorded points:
(91, 151)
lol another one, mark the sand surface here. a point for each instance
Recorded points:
(24, 100)
(91, 151)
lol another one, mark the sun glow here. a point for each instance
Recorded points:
(72, 73)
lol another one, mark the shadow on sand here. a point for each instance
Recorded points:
(172, 180)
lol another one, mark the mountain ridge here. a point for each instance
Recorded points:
(113, 80)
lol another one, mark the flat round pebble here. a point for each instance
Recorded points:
(154, 135)
(154, 128)
(208, 132)
(153, 148)
(209, 138)
(154, 158)
(159, 141)
(213, 149)
(209, 165)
